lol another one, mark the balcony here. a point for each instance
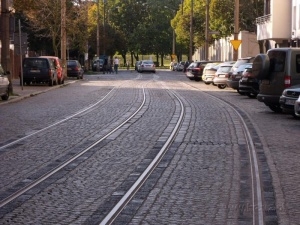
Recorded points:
(277, 25)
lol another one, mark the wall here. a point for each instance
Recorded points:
(222, 49)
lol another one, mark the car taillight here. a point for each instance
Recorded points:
(76, 68)
(226, 75)
(49, 71)
(287, 81)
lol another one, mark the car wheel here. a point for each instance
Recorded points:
(206, 83)
(221, 86)
(251, 95)
(6, 96)
(241, 93)
(275, 108)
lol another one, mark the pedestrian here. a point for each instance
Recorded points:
(116, 64)
(105, 65)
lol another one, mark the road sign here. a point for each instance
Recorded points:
(236, 44)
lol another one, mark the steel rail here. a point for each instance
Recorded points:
(117, 209)
(255, 176)
(71, 159)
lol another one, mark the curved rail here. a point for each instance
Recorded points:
(257, 202)
(71, 159)
(113, 214)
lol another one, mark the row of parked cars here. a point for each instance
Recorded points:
(272, 78)
(44, 69)
(49, 70)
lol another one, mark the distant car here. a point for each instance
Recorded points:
(209, 72)
(96, 63)
(248, 84)
(195, 70)
(235, 75)
(221, 76)
(288, 99)
(147, 66)
(297, 107)
(58, 66)
(180, 66)
(74, 69)
(38, 70)
(4, 85)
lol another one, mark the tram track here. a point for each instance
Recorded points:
(11, 201)
(259, 204)
(55, 167)
(114, 212)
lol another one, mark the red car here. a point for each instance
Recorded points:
(58, 66)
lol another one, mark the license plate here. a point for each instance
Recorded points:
(290, 102)
(221, 75)
(34, 71)
(237, 77)
(244, 79)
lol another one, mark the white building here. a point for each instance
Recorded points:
(222, 49)
(279, 27)
(276, 25)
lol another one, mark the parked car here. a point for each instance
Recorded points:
(248, 84)
(147, 66)
(96, 63)
(277, 70)
(180, 66)
(38, 70)
(59, 68)
(235, 75)
(209, 72)
(74, 69)
(241, 61)
(195, 70)
(221, 76)
(288, 99)
(297, 107)
(4, 85)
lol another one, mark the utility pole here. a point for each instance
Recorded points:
(5, 41)
(206, 29)
(98, 30)
(236, 27)
(63, 37)
(191, 31)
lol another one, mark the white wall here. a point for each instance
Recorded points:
(222, 49)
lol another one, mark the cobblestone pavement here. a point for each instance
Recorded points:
(200, 181)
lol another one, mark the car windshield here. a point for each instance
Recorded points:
(148, 62)
(71, 63)
(99, 60)
(243, 66)
(224, 69)
(35, 63)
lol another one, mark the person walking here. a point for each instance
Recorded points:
(116, 64)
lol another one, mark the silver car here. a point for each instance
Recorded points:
(146, 66)
(4, 91)
(297, 107)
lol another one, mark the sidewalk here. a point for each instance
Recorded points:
(20, 92)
